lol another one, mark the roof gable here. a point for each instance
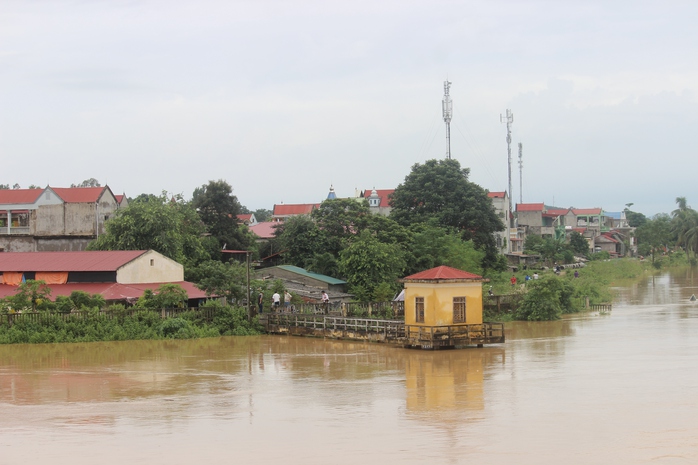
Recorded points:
(265, 229)
(497, 195)
(79, 194)
(443, 272)
(587, 211)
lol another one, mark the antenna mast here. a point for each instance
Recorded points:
(520, 172)
(508, 119)
(447, 107)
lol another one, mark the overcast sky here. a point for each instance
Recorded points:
(282, 99)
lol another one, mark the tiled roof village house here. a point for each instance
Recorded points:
(53, 219)
(117, 275)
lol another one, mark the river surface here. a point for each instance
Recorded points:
(619, 388)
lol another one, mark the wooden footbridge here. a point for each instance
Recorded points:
(387, 331)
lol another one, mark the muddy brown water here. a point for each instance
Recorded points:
(620, 388)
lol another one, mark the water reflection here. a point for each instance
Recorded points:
(587, 389)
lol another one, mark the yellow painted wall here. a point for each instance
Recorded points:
(438, 302)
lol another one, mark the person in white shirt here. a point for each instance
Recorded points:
(276, 301)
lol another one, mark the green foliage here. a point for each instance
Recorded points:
(218, 209)
(546, 299)
(440, 190)
(654, 236)
(366, 262)
(220, 279)
(166, 296)
(167, 225)
(578, 244)
(383, 292)
(143, 324)
(433, 245)
(31, 295)
(301, 239)
(339, 220)
(602, 255)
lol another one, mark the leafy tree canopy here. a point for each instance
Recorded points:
(220, 279)
(578, 244)
(218, 209)
(655, 235)
(167, 225)
(439, 189)
(92, 182)
(367, 262)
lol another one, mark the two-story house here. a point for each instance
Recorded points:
(54, 218)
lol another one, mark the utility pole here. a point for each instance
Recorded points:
(520, 172)
(509, 118)
(447, 108)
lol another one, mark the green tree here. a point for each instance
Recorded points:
(166, 296)
(31, 294)
(439, 189)
(546, 299)
(654, 236)
(220, 279)
(578, 244)
(340, 220)
(367, 262)
(262, 214)
(218, 209)
(635, 219)
(169, 226)
(92, 182)
(432, 245)
(300, 238)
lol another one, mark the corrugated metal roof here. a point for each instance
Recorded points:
(107, 260)
(110, 291)
(529, 207)
(443, 272)
(14, 196)
(79, 194)
(310, 274)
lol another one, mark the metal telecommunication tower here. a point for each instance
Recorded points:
(447, 107)
(520, 172)
(509, 118)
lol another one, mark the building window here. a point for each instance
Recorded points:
(459, 309)
(419, 309)
(152, 262)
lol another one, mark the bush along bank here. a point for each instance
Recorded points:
(119, 324)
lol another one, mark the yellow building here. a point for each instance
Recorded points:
(443, 296)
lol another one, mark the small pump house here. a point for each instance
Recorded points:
(443, 296)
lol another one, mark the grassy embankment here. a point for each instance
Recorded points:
(553, 295)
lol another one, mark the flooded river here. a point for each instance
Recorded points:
(620, 388)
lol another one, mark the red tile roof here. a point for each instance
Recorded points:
(110, 291)
(245, 217)
(265, 229)
(10, 196)
(384, 195)
(110, 260)
(79, 194)
(530, 207)
(119, 198)
(497, 195)
(295, 209)
(443, 272)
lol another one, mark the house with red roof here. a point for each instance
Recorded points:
(116, 275)
(283, 211)
(378, 200)
(54, 218)
(443, 296)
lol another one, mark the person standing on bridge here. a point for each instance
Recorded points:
(276, 301)
(325, 302)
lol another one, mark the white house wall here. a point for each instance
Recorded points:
(150, 267)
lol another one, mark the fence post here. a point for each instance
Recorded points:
(586, 301)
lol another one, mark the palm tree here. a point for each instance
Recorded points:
(683, 219)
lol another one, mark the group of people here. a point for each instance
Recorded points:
(288, 308)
